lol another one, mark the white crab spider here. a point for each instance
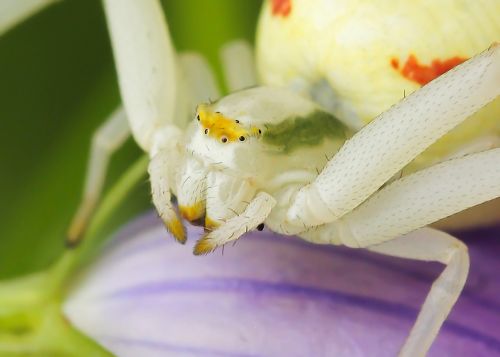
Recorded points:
(236, 162)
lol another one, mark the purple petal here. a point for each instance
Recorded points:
(271, 295)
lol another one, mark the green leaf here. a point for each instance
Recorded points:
(57, 85)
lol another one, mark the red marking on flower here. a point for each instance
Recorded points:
(282, 7)
(395, 63)
(423, 74)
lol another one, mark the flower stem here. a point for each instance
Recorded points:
(31, 320)
(74, 257)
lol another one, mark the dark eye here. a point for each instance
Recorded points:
(237, 121)
(260, 131)
(224, 139)
(260, 227)
(198, 117)
(206, 131)
(242, 138)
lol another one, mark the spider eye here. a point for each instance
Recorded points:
(260, 131)
(223, 139)
(242, 138)
(237, 121)
(198, 117)
(206, 131)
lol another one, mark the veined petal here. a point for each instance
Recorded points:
(12, 12)
(268, 295)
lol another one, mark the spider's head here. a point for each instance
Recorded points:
(226, 130)
(233, 133)
(244, 142)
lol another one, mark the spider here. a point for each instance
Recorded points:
(266, 154)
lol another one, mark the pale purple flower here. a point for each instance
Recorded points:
(271, 295)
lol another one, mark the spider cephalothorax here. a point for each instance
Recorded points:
(259, 139)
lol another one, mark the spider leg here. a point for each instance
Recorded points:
(13, 12)
(147, 66)
(191, 190)
(198, 80)
(413, 202)
(392, 140)
(149, 75)
(424, 197)
(108, 138)
(255, 213)
(161, 174)
(428, 244)
(226, 197)
(238, 64)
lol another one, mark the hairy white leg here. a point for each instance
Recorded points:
(238, 64)
(428, 244)
(195, 84)
(146, 65)
(13, 12)
(393, 139)
(422, 198)
(160, 172)
(255, 213)
(191, 190)
(149, 85)
(200, 83)
(226, 196)
(108, 138)
(199, 78)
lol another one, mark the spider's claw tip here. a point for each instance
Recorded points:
(192, 213)
(204, 246)
(176, 228)
(210, 224)
(72, 242)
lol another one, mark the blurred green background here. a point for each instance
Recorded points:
(57, 84)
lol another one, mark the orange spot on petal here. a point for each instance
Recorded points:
(281, 7)
(395, 63)
(423, 74)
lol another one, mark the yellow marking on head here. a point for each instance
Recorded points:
(210, 224)
(176, 228)
(193, 212)
(222, 128)
(204, 246)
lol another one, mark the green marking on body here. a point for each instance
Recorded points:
(311, 130)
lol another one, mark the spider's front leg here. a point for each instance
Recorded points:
(428, 244)
(160, 91)
(108, 138)
(392, 140)
(415, 200)
(256, 212)
(151, 88)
